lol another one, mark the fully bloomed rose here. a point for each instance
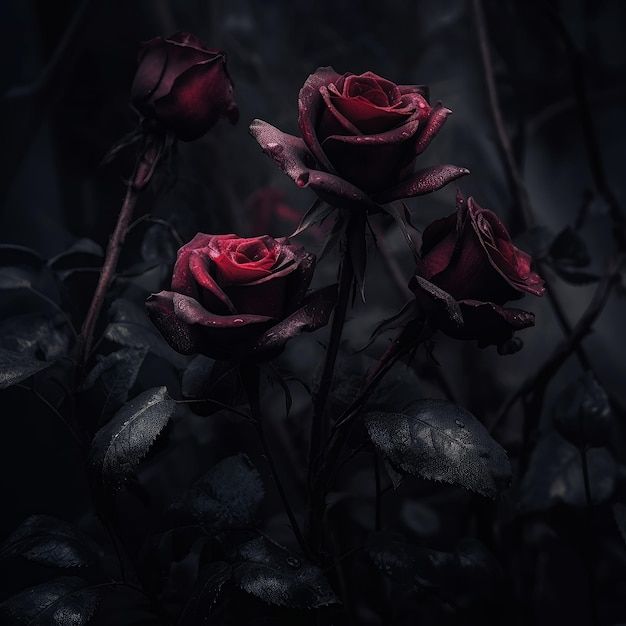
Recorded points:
(469, 269)
(360, 136)
(234, 298)
(182, 86)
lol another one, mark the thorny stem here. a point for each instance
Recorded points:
(150, 154)
(250, 378)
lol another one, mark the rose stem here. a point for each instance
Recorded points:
(319, 426)
(378, 509)
(586, 544)
(140, 178)
(250, 379)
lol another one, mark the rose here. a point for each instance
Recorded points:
(232, 297)
(469, 268)
(360, 138)
(182, 86)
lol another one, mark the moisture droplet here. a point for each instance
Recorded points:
(459, 423)
(293, 561)
(238, 320)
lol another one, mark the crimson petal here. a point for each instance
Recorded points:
(313, 314)
(435, 121)
(310, 103)
(295, 160)
(178, 334)
(423, 181)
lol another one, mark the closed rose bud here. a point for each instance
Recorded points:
(234, 298)
(469, 269)
(182, 86)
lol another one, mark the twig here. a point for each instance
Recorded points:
(539, 381)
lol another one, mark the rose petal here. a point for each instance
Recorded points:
(293, 158)
(491, 324)
(310, 103)
(423, 181)
(182, 278)
(313, 314)
(211, 294)
(198, 98)
(422, 90)
(372, 162)
(439, 305)
(332, 122)
(151, 65)
(438, 245)
(435, 121)
(177, 333)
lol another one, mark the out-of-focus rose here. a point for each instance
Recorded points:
(269, 211)
(234, 298)
(182, 86)
(360, 138)
(469, 269)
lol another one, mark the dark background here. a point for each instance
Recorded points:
(64, 103)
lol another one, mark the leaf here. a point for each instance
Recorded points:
(118, 373)
(206, 593)
(14, 278)
(35, 334)
(318, 212)
(15, 255)
(227, 496)
(555, 475)
(82, 253)
(619, 513)
(536, 241)
(357, 248)
(582, 413)
(118, 447)
(274, 575)
(16, 367)
(459, 579)
(441, 441)
(50, 541)
(130, 327)
(66, 601)
(158, 245)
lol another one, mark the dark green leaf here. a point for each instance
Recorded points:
(82, 253)
(206, 594)
(318, 212)
(117, 372)
(50, 541)
(16, 367)
(118, 447)
(582, 413)
(19, 255)
(274, 575)
(441, 441)
(15, 278)
(555, 475)
(35, 334)
(228, 496)
(130, 327)
(67, 601)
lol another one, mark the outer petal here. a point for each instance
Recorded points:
(197, 99)
(423, 181)
(152, 64)
(435, 121)
(372, 162)
(492, 324)
(293, 157)
(182, 278)
(314, 313)
(211, 294)
(177, 333)
(310, 103)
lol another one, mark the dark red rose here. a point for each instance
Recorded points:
(360, 138)
(469, 269)
(183, 86)
(233, 297)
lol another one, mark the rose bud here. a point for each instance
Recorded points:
(232, 298)
(469, 269)
(182, 86)
(360, 138)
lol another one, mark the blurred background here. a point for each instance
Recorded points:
(67, 67)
